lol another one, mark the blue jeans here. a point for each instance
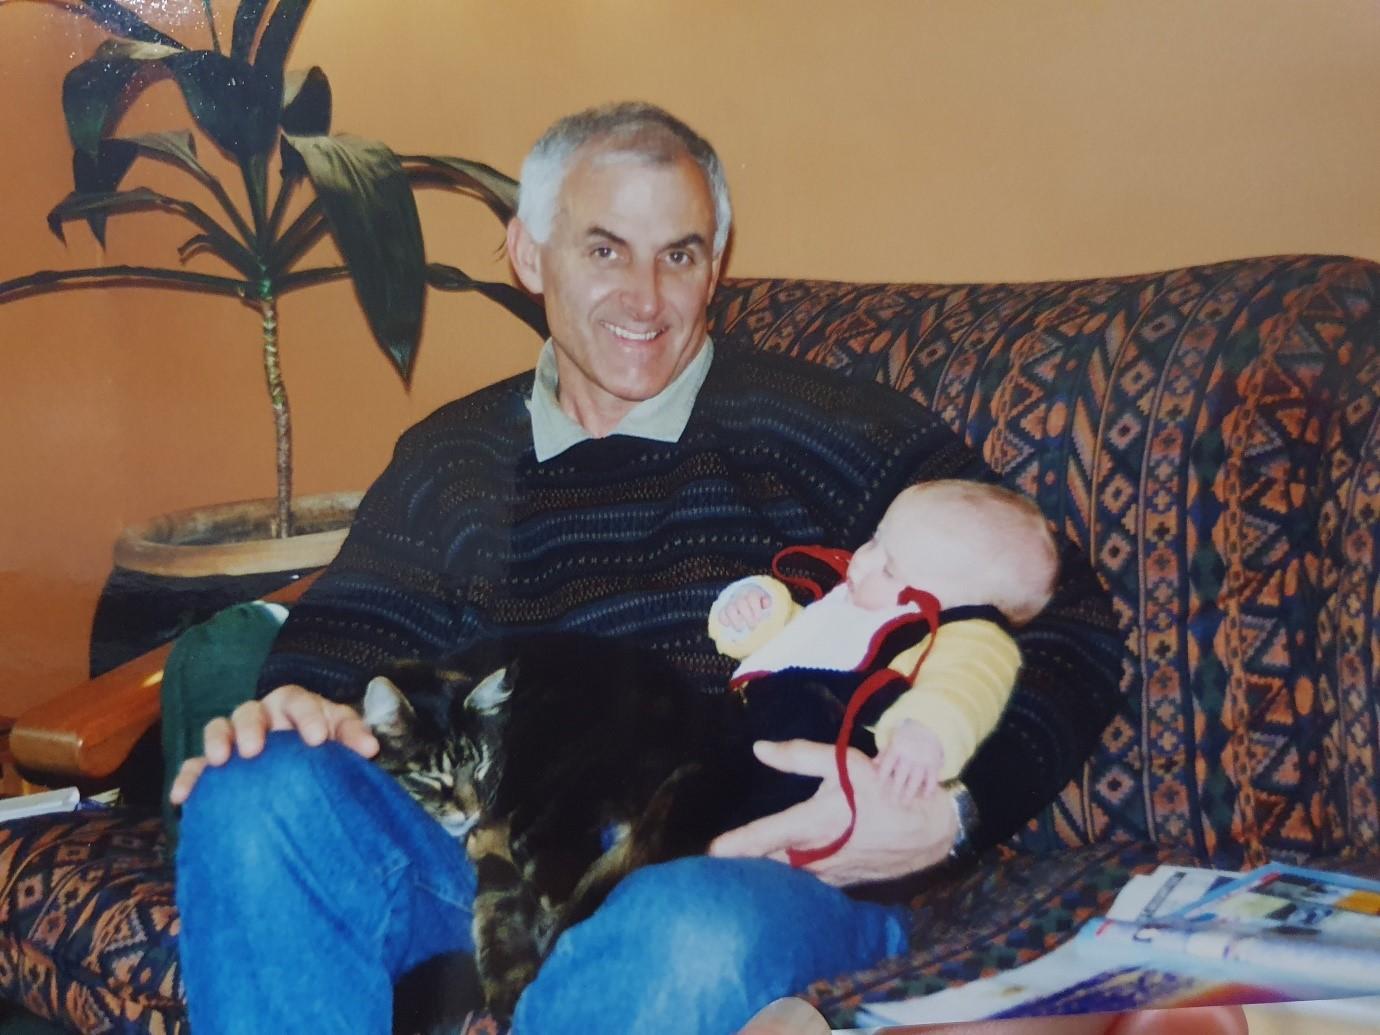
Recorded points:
(308, 882)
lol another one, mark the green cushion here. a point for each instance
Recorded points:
(212, 668)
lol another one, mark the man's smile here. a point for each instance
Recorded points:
(630, 335)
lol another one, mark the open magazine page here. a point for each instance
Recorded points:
(1169, 940)
(1280, 896)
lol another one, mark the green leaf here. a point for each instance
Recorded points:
(232, 101)
(497, 190)
(178, 147)
(518, 302)
(46, 281)
(247, 20)
(102, 174)
(95, 91)
(175, 146)
(307, 103)
(279, 34)
(141, 199)
(309, 225)
(193, 245)
(369, 204)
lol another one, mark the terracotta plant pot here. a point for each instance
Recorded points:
(179, 569)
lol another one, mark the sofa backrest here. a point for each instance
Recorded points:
(1208, 437)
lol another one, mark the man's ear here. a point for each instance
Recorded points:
(525, 255)
(716, 266)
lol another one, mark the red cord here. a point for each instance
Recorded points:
(929, 610)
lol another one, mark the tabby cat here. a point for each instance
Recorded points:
(565, 762)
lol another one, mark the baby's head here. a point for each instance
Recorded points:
(965, 542)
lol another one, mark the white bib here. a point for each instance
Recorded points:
(833, 633)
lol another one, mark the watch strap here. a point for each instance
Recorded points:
(965, 812)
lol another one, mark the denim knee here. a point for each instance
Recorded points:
(683, 916)
(237, 807)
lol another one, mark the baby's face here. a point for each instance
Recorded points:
(921, 542)
(872, 579)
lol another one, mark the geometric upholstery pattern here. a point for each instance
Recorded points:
(1207, 436)
(88, 927)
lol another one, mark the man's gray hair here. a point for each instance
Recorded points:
(632, 129)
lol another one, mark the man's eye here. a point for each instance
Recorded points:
(601, 251)
(679, 258)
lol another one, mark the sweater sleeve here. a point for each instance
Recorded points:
(385, 596)
(960, 690)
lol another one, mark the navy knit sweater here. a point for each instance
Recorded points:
(466, 536)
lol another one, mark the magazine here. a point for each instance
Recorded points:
(23, 806)
(1184, 936)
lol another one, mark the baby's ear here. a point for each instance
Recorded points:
(384, 706)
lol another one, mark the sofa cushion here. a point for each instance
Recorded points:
(88, 926)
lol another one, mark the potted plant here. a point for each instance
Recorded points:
(259, 115)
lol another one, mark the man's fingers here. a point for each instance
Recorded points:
(186, 779)
(1193, 1020)
(250, 723)
(787, 1017)
(306, 714)
(768, 836)
(218, 741)
(350, 730)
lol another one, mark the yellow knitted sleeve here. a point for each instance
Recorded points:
(740, 643)
(960, 690)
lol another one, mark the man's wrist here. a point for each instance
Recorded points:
(966, 817)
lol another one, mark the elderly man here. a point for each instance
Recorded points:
(615, 491)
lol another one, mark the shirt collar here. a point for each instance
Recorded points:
(661, 418)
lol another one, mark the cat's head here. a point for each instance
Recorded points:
(440, 733)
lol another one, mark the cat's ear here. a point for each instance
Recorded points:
(490, 694)
(384, 706)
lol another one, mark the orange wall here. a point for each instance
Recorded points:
(906, 140)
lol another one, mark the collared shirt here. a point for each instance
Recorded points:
(662, 417)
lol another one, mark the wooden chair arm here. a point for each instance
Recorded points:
(85, 732)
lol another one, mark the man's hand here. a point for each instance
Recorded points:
(891, 839)
(290, 707)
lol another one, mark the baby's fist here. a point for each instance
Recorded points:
(743, 609)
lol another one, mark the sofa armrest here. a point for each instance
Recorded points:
(85, 733)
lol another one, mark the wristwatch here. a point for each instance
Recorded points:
(965, 811)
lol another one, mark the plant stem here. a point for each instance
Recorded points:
(211, 21)
(255, 173)
(282, 417)
(280, 204)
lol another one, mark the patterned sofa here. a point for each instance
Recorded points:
(1206, 435)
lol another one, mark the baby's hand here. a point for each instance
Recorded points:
(744, 608)
(910, 766)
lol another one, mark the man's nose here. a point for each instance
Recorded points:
(641, 293)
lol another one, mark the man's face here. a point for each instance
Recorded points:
(626, 277)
